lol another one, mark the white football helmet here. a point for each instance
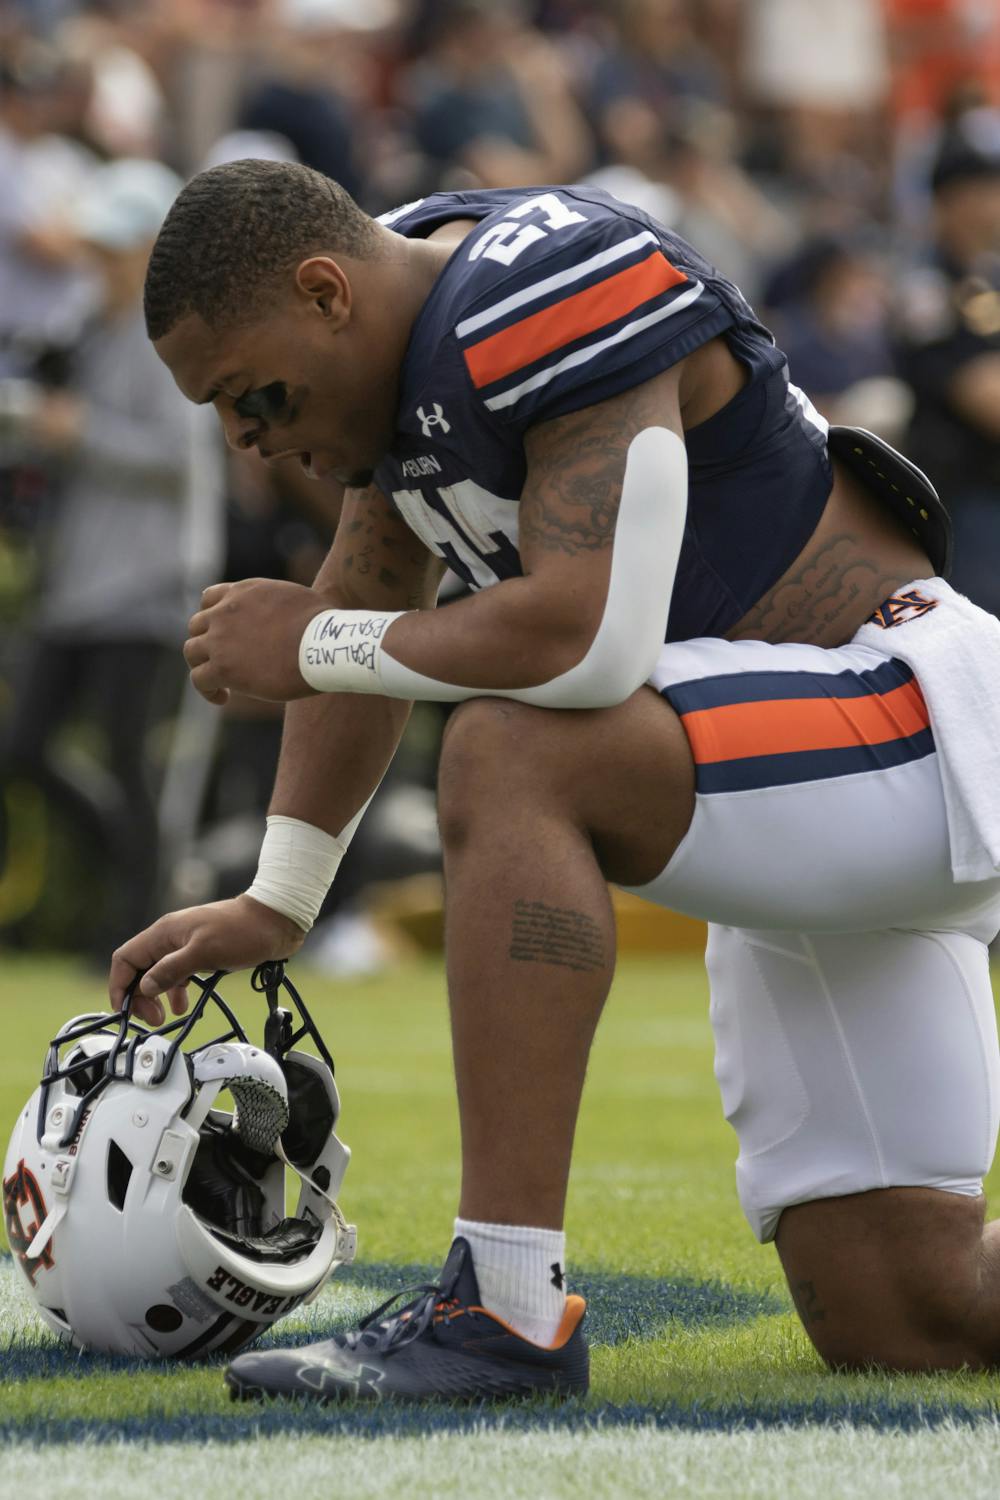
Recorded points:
(146, 1220)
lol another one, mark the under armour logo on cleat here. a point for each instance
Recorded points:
(558, 1279)
(435, 418)
(330, 1377)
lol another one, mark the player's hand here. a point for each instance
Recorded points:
(237, 934)
(245, 639)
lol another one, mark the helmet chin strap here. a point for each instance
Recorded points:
(347, 1234)
(279, 1152)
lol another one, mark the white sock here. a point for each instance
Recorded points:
(520, 1275)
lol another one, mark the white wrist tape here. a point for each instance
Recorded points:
(340, 650)
(343, 650)
(297, 865)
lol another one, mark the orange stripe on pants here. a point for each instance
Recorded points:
(783, 725)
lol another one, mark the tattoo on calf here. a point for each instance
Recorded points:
(807, 1303)
(556, 935)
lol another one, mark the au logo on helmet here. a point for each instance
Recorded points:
(21, 1191)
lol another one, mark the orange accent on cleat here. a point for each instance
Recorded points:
(572, 1314)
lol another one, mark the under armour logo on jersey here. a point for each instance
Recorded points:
(899, 608)
(558, 1279)
(435, 419)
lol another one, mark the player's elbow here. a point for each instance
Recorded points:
(613, 664)
(618, 673)
(593, 690)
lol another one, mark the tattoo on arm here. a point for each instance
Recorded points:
(576, 465)
(556, 935)
(807, 1304)
(378, 557)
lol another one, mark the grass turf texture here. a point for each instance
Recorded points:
(835, 1464)
(690, 1321)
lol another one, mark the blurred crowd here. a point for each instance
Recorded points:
(841, 163)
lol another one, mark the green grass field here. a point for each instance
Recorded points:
(702, 1378)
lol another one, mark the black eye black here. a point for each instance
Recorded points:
(266, 403)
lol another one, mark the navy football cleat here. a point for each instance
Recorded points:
(442, 1346)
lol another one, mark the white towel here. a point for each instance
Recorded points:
(953, 650)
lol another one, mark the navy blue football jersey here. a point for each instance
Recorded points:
(560, 298)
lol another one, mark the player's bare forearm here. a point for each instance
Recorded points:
(334, 752)
(376, 562)
(335, 747)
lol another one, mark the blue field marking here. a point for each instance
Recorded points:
(377, 1421)
(618, 1308)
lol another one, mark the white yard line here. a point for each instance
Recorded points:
(839, 1464)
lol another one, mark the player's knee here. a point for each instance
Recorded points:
(944, 1314)
(917, 1323)
(934, 1331)
(890, 1278)
(491, 752)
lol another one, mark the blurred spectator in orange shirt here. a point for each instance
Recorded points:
(938, 46)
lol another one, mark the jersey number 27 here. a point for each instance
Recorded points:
(505, 241)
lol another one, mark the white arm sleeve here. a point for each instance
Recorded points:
(342, 650)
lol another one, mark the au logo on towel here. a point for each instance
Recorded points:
(899, 608)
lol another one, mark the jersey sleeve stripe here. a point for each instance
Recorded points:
(578, 357)
(554, 282)
(541, 333)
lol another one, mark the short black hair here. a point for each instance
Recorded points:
(235, 228)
